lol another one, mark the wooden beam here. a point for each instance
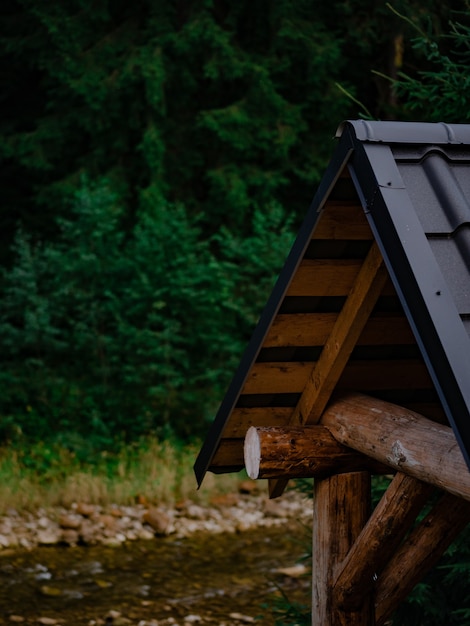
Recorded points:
(302, 452)
(324, 277)
(293, 377)
(400, 438)
(339, 345)
(342, 220)
(341, 506)
(420, 551)
(243, 418)
(379, 539)
(313, 329)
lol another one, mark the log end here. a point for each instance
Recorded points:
(252, 452)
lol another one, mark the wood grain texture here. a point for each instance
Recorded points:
(379, 539)
(418, 553)
(341, 506)
(302, 452)
(402, 439)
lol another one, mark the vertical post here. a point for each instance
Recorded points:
(341, 507)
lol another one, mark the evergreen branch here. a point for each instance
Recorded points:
(349, 95)
(407, 20)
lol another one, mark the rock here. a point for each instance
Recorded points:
(87, 510)
(246, 619)
(145, 534)
(52, 592)
(224, 500)
(115, 618)
(296, 571)
(107, 521)
(47, 621)
(70, 521)
(249, 487)
(44, 522)
(16, 618)
(70, 536)
(49, 536)
(194, 511)
(274, 508)
(90, 533)
(158, 520)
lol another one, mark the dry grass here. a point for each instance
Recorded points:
(157, 472)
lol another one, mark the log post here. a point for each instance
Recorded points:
(341, 506)
(420, 551)
(379, 539)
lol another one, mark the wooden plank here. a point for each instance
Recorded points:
(313, 329)
(292, 377)
(404, 440)
(395, 374)
(300, 452)
(229, 454)
(341, 506)
(419, 552)
(241, 419)
(379, 539)
(342, 220)
(324, 277)
(349, 325)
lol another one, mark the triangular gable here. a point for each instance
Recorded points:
(340, 319)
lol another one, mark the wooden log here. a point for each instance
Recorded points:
(419, 552)
(379, 539)
(400, 438)
(341, 505)
(300, 453)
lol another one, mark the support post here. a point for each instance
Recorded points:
(341, 506)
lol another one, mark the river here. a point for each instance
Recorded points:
(224, 579)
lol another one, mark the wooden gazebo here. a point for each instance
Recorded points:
(360, 364)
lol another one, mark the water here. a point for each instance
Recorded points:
(210, 576)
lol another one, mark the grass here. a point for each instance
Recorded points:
(150, 471)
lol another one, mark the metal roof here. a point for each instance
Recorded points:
(403, 188)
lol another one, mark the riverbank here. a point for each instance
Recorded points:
(87, 524)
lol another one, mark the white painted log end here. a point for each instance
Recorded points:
(252, 452)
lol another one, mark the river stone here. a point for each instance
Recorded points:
(87, 510)
(49, 536)
(159, 520)
(70, 521)
(70, 536)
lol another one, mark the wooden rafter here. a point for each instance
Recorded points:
(338, 347)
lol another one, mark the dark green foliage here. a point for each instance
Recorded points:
(220, 106)
(441, 91)
(111, 334)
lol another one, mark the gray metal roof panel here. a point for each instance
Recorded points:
(430, 272)
(408, 132)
